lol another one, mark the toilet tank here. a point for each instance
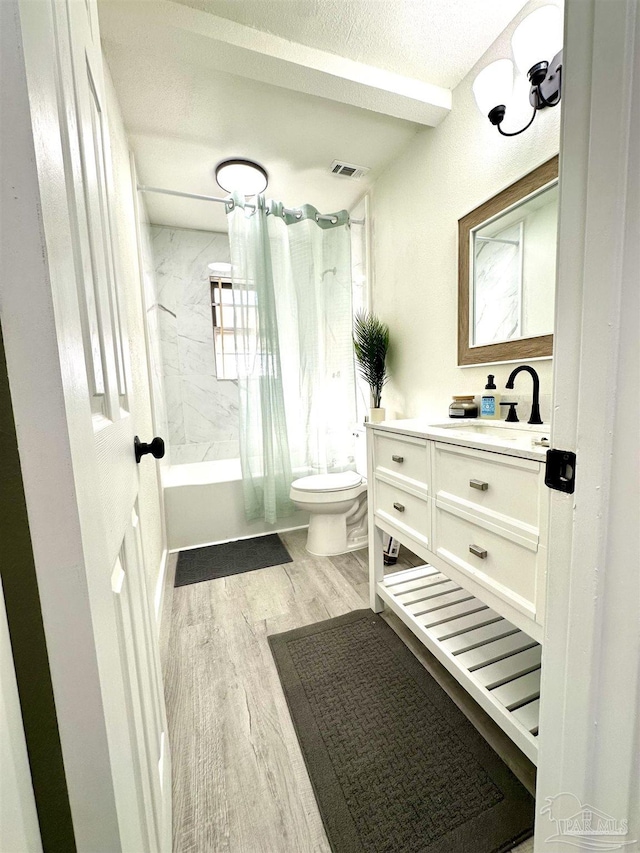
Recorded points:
(360, 436)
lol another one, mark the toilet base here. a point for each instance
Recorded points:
(328, 536)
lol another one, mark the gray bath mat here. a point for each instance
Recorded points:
(230, 558)
(395, 765)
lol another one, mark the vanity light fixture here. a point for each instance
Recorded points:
(246, 176)
(537, 49)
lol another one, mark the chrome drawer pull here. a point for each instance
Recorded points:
(479, 484)
(399, 507)
(397, 458)
(478, 551)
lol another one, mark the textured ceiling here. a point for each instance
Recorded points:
(434, 40)
(183, 113)
(182, 119)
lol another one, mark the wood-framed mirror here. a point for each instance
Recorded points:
(506, 272)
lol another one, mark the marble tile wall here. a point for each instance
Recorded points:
(498, 288)
(202, 411)
(158, 394)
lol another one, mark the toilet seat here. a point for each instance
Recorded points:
(328, 488)
(328, 482)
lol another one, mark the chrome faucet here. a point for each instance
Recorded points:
(535, 408)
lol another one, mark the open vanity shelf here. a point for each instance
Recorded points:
(474, 507)
(498, 664)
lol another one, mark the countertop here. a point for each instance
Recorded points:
(500, 437)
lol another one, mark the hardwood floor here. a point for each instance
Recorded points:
(239, 780)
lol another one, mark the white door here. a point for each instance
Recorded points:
(109, 700)
(588, 784)
(18, 819)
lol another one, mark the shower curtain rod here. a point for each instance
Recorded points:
(291, 212)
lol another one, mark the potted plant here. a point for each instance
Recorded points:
(371, 344)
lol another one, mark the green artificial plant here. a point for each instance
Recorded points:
(371, 343)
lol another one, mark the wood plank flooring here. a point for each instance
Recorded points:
(239, 780)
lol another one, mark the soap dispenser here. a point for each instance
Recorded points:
(490, 402)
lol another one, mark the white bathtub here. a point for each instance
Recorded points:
(204, 505)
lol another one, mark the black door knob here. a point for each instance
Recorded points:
(155, 448)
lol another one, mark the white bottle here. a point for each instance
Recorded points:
(490, 400)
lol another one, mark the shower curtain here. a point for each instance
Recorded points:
(293, 322)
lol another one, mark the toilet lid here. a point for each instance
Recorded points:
(328, 482)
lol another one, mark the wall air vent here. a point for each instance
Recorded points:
(348, 170)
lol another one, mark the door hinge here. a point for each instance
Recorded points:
(560, 470)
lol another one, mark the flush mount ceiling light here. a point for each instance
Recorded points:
(537, 49)
(245, 176)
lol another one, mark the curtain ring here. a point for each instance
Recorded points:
(230, 204)
(317, 217)
(334, 220)
(298, 214)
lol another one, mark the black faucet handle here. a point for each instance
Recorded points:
(512, 417)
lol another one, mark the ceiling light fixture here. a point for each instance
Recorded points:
(537, 49)
(245, 176)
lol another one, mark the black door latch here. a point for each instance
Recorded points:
(560, 470)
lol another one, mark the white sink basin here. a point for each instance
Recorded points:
(505, 432)
(501, 433)
(530, 441)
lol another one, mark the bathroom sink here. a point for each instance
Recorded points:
(530, 441)
(506, 432)
(524, 436)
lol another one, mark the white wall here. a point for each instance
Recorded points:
(443, 174)
(150, 506)
(202, 410)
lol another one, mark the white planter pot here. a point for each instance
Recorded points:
(376, 416)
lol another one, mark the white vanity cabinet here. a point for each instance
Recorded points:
(489, 523)
(401, 476)
(477, 515)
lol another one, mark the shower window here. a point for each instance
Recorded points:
(228, 337)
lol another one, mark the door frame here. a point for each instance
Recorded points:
(588, 748)
(28, 306)
(45, 358)
(165, 576)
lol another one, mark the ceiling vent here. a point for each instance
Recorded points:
(348, 170)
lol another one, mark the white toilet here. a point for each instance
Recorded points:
(337, 504)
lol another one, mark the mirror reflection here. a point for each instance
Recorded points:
(506, 272)
(512, 279)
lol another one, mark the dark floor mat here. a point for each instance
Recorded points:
(230, 558)
(395, 765)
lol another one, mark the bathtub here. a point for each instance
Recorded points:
(204, 505)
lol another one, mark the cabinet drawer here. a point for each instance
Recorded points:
(406, 511)
(404, 458)
(505, 566)
(488, 482)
